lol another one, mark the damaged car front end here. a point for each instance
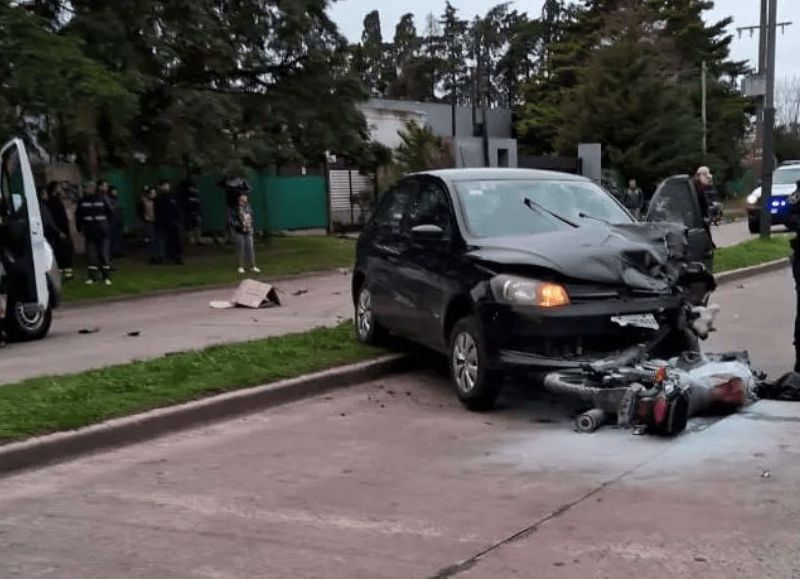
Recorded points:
(532, 272)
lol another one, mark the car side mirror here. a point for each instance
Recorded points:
(427, 232)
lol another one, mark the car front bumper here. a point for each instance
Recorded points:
(530, 338)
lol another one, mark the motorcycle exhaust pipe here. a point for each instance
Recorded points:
(591, 420)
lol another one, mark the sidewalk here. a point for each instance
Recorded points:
(172, 324)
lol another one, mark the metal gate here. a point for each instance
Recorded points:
(347, 188)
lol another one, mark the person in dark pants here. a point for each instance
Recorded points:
(93, 219)
(169, 223)
(117, 224)
(192, 211)
(146, 212)
(633, 199)
(794, 225)
(62, 245)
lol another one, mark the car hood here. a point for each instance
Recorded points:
(645, 256)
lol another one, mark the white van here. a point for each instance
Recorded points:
(30, 283)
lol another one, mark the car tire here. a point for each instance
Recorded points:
(368, 329)
(23, 328)
(476, 386)
(753, 225)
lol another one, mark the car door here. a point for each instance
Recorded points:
(675, 201)
(387, 242)
(427, 266)
(24, 252)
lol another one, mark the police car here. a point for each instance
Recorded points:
(784, 183)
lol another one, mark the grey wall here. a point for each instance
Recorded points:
(468, 152)
(440, 120)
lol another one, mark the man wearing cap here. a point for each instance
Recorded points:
(706, 194)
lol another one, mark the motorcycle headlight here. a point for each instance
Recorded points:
(529, 292)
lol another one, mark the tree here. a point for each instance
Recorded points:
(421, 150)
(456, 83)
(626, 98)
(370, 61)
(406, 42)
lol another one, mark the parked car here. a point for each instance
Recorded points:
(784, 182)
(526, 271)
(30, 282)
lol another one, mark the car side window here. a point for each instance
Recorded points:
(430, 207)
(675, 202)
(389, 215)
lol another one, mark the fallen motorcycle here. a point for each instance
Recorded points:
(657, 396)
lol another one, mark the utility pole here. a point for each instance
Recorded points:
(768, 149)
(705, 109)
(761, 69)
(768, 32)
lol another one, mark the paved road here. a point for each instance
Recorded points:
(170, 324)
(394, 479)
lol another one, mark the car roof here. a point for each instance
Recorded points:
(455, 175)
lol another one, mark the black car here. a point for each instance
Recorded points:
(531, 271)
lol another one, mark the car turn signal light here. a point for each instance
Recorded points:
(551, 295)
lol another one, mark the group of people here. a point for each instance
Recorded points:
(166, 216)
(98, 217)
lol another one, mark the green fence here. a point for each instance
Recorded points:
(279, 203)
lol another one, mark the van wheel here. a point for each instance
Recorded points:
(368, 330)
(476, 386)
(22, 326)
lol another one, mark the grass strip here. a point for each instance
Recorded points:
(214, 265)
(49, 404)
(751, 252)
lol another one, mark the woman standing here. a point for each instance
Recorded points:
(240, 223)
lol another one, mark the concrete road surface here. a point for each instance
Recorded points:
(171, 324)
(737, 232)
(394, 479)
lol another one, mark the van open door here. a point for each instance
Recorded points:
(675, 201)
(23, 249)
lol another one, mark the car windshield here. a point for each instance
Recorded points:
(498, 207)
(786, 176)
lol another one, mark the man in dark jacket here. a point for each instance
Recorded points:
(192, 210)
(93, 219)
(794, 225)
(117, 224)
(169, 222)
(63, 246)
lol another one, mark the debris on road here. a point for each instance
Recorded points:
(300, 292)
(86, 331)
(134, 334)
(787, 388)
(250, 294)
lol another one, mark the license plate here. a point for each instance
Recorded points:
(647, 321)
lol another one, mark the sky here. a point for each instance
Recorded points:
(349, 15)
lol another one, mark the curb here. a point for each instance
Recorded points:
(728, 277)
(167, 293)
(63, 446)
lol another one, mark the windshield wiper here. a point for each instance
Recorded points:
(583, 215)
(534, 206)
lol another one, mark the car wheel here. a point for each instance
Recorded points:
(753, 225)
(476, 386)
(368, 330)
(22, 326)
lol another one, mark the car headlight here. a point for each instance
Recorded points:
(529, 292)
(753, 198)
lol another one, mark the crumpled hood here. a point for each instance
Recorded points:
(644, 256)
